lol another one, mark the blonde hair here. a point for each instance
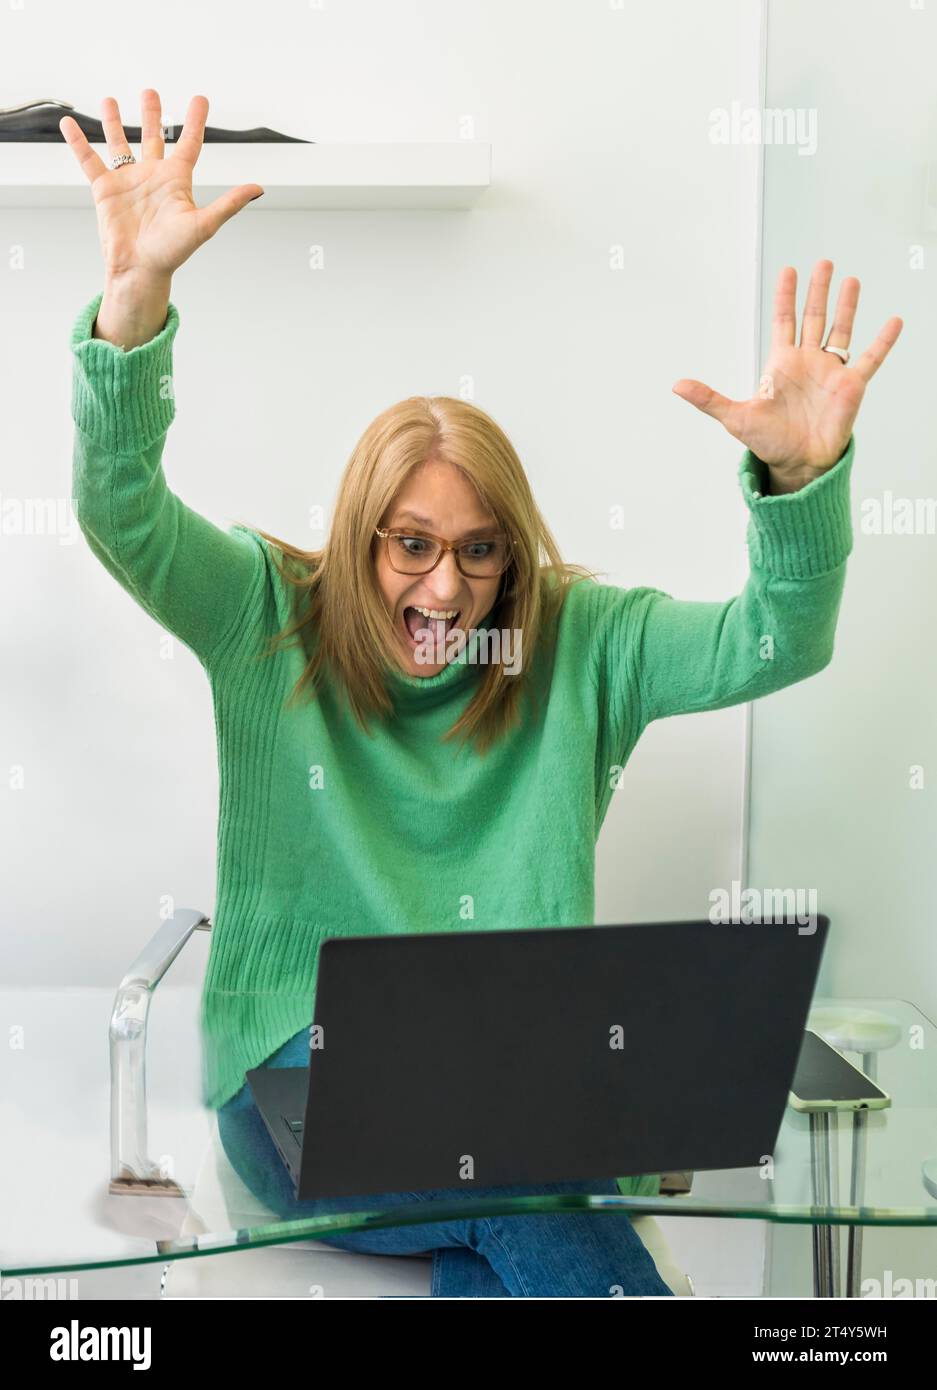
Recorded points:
(337, 587)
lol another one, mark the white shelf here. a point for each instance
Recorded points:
(333, 176)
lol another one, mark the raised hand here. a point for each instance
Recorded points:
(800, 421)
(148, 221)
(147, 216)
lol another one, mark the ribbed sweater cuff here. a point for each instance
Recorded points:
(122, 400)
(803, 534)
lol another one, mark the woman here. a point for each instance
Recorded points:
(373, 776)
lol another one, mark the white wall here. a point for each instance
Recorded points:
(598, 116)
(599, 123)
(832, 802)
(833, 807)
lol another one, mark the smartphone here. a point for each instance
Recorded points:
(824, 1080)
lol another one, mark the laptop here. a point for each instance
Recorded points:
(461, 1060)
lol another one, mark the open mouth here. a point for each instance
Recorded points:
(419, 628)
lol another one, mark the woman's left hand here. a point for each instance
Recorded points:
(800, 421)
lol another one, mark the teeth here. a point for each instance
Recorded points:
(436, 612)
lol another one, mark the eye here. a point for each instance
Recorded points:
(478, 550)
(412, 545)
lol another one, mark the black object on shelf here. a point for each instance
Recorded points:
(38, 121)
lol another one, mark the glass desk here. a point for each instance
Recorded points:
(61, 1213)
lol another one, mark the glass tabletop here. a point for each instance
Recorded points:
(58, 1213)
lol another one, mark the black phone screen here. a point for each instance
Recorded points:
(823, 1073)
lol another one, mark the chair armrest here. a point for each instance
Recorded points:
(132, 1172)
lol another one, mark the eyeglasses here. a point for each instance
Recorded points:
(412, 552)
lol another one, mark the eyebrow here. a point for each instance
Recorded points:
(466, 535)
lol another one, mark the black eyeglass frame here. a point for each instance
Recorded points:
(386, 533)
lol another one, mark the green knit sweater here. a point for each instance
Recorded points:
(324, 830)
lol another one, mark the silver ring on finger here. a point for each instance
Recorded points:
(841, 353)
(120, 159)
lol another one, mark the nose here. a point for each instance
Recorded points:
(446, 580)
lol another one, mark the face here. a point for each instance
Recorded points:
(447, 505)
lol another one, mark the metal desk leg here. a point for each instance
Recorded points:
(857, 1185)
(836, 1282)
(823, 1267)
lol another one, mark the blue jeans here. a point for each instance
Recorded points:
(577, 1254)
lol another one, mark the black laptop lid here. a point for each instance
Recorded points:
(484, 1058)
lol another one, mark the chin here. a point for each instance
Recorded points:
(423, 668)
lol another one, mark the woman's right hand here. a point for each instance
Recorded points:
(148, 221)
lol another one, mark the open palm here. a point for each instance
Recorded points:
(147, 218)
(800, 420)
